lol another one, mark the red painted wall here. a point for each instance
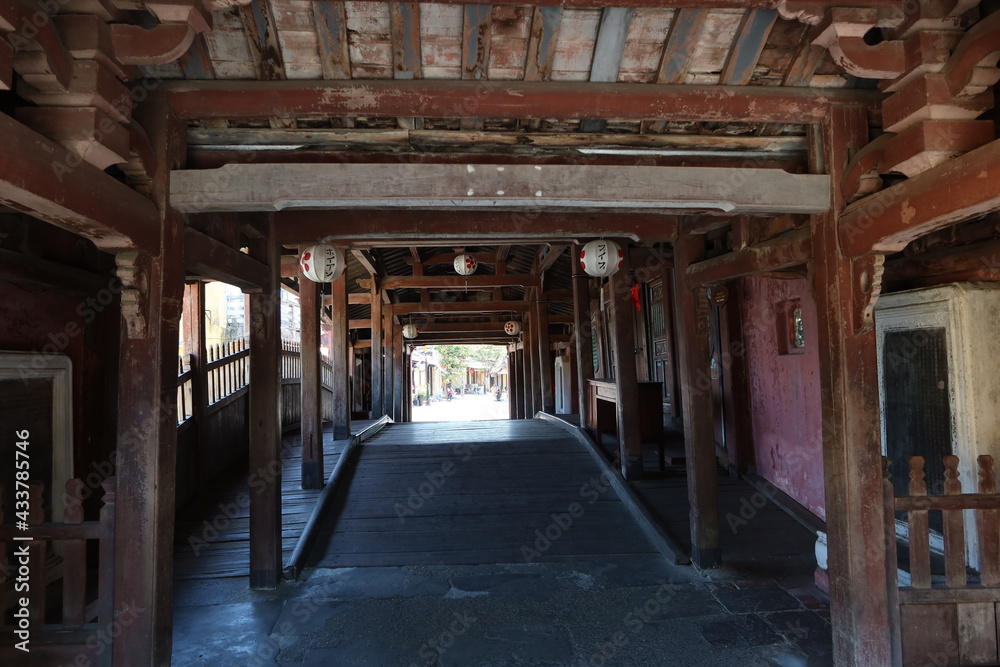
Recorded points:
(785, 392)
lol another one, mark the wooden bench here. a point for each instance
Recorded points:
(602, 401)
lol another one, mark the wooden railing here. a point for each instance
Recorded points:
(948, 618)
(83, 624)
(291, 360)
(227, 369)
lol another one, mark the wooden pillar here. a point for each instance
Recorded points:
(851, 431)
(388, 347)
(531, 384)
(194, 343)
(408, 382)
(265, 421)
(511, 374)
(340, 360)
(694, 360)
(310, 300)
(547, 394)
(378, 408)
(626, 382)
(398, 376)
(583, 333)
(151, 300)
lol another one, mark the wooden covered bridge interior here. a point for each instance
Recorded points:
(785, 178)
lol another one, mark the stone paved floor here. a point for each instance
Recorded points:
(635, 610)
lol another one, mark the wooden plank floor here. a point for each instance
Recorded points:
(213, 536)
(473, 493)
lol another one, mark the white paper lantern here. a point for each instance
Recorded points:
(601, 258)
(465, 264)
(410, 331)
(322, 263)
(512, 328)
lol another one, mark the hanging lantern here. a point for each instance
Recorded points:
(601, 258)
(410, 331)
(322, 263)
(465, 264)
(512, 328)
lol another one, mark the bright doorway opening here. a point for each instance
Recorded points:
(459, 383)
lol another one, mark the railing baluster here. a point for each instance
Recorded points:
(988, 527)
(954, 529)
(74, 560)
(920, 546)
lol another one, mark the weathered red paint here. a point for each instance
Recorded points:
(784, 391)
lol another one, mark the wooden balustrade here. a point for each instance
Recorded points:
(949, 606)
(81, 626)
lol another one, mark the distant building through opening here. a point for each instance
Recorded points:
(459, 383)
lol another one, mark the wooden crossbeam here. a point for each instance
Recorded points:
(960, 189)
(207, 257)
(813, 7)
(268, 187)
(384, 228)
(449, 258)
(367, 260)
(44, 180)
(546, 262)
(458, 307)
(510, 99)
(459, 282)
(786, 251)
(442, 327)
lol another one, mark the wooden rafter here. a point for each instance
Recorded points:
(264, 187)
(511, 99)
(608, 51)
(262, 38)
(752, 33)
(542, 43)
(331, 34)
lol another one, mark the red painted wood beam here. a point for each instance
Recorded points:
(511, 99)
(44, 180)
(406, 227)
(783, 252)
(458, 307)
(960, 189)
(211, 258)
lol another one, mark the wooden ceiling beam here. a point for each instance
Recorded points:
(368, 228)
(608, 50)
(567, 100)
(458, 282)
(459, 307)
(553, 254)
(455, 327)
(265, 187)
(367, 260)
(957, 190)
(784, 252)
(544, 29)
(449, 258)
(210, 258)
(44, 180)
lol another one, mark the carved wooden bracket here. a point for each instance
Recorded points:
(843, 31)
(866, 286)
(133, 270)
(862, 176)
(156, 46)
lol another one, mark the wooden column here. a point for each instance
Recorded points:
(146, 451)
(532, 386)
(626, 382)
(265, 421)
(378, 408)
(398, 376)
(583, 333)
(511, 383)
(339, 357)
(408, 384)
(694, 360)
(388, 334)
(310, 300)
(851, 431)
(194, 343)
(547, 394)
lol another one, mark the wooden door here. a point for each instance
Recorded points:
(661, 344)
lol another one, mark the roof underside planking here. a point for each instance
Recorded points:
(396, 81)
